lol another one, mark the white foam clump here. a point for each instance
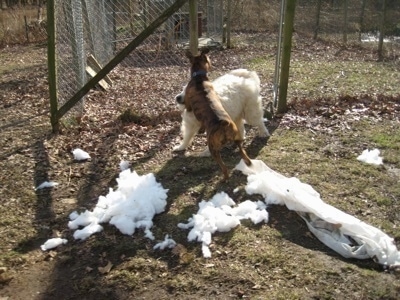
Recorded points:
(218, 214)
(46, 184)
(52, 243)
(79, 154)
(132, 205)
(124, 165)
(371, 157)
(167, 243)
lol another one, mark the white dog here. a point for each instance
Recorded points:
(239, 91)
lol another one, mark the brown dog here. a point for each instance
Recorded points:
(201, 98)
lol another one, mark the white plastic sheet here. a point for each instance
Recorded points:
(342, 232)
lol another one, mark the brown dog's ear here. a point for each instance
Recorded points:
(189, 54)
(204, 51)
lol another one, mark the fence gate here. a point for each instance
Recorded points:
(92, 36)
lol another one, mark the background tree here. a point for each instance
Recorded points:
(318, 15)
(382, 30)
(3, 4)
(361, 21)
(345, 19)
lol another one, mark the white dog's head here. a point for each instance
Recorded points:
(180, 99)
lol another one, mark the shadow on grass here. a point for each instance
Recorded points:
(293, 228)
(189, 179)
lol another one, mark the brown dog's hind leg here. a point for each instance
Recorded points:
(243, 153)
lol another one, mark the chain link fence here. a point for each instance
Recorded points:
(101, 28)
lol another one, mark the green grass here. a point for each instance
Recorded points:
(313, 78)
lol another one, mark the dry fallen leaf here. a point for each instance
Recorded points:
(106, 269)
(184, 256)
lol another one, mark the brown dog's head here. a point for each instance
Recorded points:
(200, 62)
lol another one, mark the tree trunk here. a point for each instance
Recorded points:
(361, 29)
(345, 13)
(382, 30)
(318, 15)
(3, 4)
(40, 12)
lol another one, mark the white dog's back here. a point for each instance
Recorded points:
(239, 91)
(246, 74)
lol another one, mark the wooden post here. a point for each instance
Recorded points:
(278, 59)
(193, 24)
(286, 51)
(26, 29)
(228, 24)
(51, 62)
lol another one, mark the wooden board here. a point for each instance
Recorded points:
(95, 65)
(104, 84)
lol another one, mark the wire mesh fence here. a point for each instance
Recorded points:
(346, 21)
(101, 28)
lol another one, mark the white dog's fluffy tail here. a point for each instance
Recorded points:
(246, 74)
(252, 111)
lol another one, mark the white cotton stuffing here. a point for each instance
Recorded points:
(167, 243)
(87, 231)
(53, 243)
(219, 214)
(80, 154)
(124, 165)
(131, 206)
(371, 157)
(46, 184)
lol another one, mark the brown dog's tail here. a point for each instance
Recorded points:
(225, 123)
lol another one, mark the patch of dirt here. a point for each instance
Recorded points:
(138, 121)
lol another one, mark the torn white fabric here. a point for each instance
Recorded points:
(342, 232)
